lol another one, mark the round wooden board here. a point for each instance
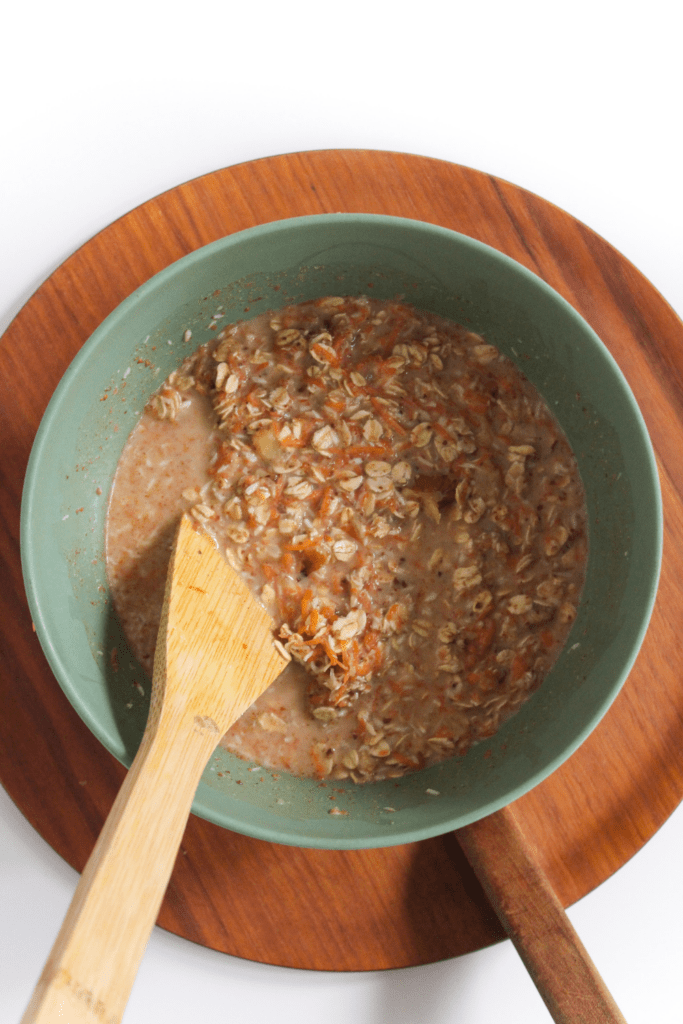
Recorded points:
(403, 905)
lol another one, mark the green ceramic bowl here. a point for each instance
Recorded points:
(81, 437)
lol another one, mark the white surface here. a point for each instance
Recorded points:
(104, 106)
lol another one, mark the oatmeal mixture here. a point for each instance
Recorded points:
(402, 502)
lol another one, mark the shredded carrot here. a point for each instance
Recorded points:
(288, 562)
(479, 639)
(519, 666)
(477, 402)
(306, 601)
(326, 503)
(547, 639)
(326, 354)
(389, 340)
(330, 653)
(307, 431)
(350, 660)
(365, 451)
(335, 404)
(365, 600)
(302, 545)
(384, 414)
(337, 584)
(485, 679)
(317, 761)
(313, 621)
(405, 759)
(371, 664)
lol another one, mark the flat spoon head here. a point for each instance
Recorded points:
(216, 649)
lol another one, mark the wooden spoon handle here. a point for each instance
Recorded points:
(534, 918)
(90, 971)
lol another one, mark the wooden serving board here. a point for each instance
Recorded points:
(402, 905)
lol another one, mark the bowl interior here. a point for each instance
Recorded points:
(104, 391)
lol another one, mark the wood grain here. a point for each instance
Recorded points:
(535, 920)
(379, 908)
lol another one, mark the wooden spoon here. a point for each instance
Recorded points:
(215, 655)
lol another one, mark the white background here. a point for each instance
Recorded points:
(105, 105)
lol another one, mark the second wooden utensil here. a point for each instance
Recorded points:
(564, 974)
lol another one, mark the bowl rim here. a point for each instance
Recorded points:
(28, 553)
